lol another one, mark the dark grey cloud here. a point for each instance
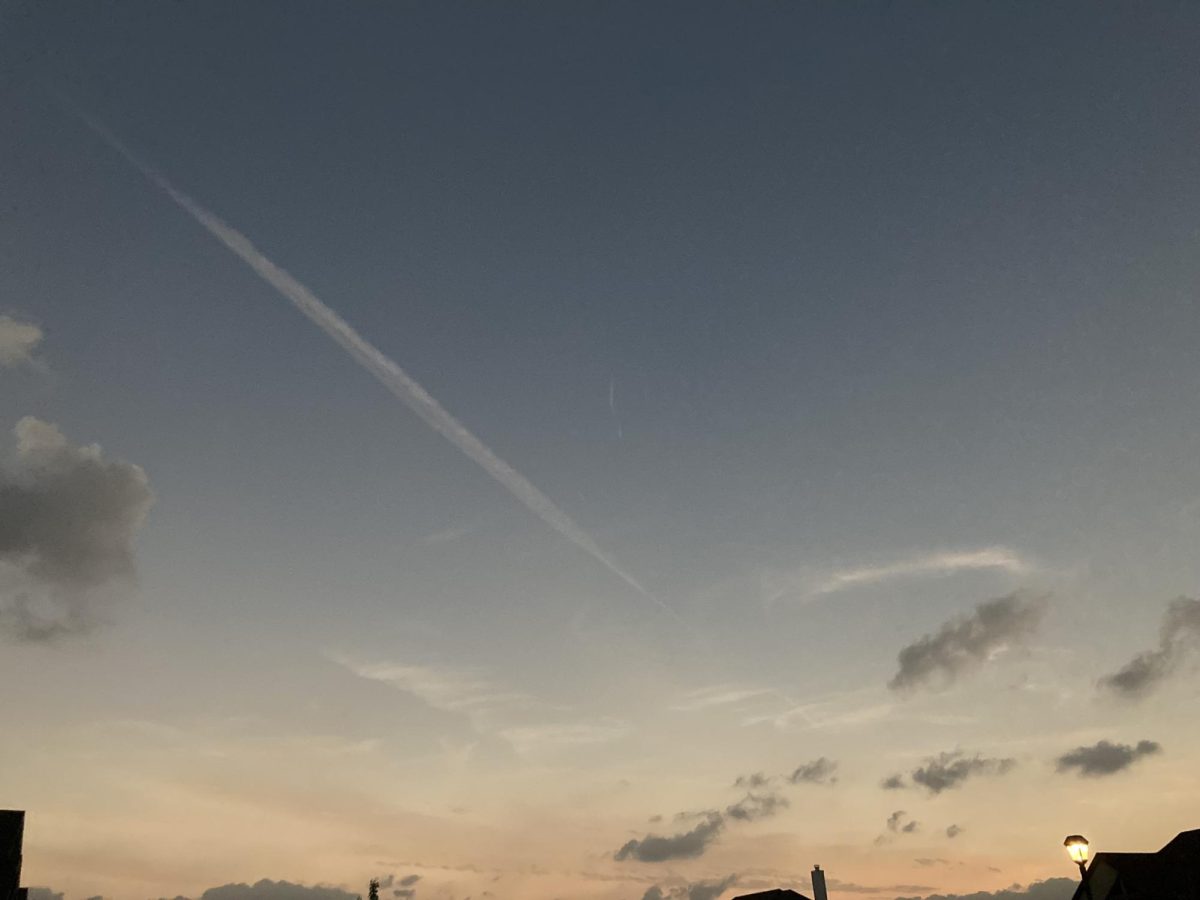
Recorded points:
(964, 644)
(1050, 889)
(1105, 758)
(752, 781)
(18, 340)
(404, 893)
(276, 890)
(409, 880)
(950, 770)
(698, 890)
(894, 820)
(757, 806)
(1179, 635)
(893, 783)
(911, 827)
(44, 893)
(68, 519)
(819, 771)
(686, 845)
(953, 831)
(931, 861)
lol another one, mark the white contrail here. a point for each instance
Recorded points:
(374, 361)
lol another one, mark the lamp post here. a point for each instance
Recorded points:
(1077, 849)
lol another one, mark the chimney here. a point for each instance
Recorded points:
(818, 882)
(12, 832)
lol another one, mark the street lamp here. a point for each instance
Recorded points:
(1077, 849)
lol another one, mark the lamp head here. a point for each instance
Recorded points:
(1077, 848)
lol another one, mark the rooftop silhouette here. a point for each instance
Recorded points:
(1172, 873)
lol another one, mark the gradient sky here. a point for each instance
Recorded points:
(829, 323)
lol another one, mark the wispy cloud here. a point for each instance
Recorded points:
(530, 740)
(930, 565)
(720, 695)
(402, 386)
(464, 691)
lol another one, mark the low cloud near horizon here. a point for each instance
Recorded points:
(1050, 889)
(697, 890)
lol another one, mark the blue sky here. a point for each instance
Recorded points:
(757, 294)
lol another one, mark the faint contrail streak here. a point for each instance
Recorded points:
(374, 361)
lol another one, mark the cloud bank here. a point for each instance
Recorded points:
(1178, 636)
(1105, 758)
(1050, 889)
(276, 890)
(68, 519)
(18, 340)
(964, 644)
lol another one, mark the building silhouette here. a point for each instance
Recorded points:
(818, 886)
(1172, 873)
(12, 835)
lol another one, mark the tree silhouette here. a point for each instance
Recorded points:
(373, 894)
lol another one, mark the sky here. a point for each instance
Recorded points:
(621, 451)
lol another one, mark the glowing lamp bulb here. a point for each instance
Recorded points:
(1077, 848)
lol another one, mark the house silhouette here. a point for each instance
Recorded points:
(1172, 873)
(12, 835)
(819, 891)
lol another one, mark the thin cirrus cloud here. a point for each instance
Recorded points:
(1178, 636)
(719, 695)
(930, 565)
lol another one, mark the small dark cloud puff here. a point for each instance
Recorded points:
(685, 845)
(1178, 636)
(893, 783)
(953, 831)
(965, 644)
(1105, 758)
(950, 770)
(756, 806)
(819, 771)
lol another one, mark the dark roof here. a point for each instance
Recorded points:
(776, 894)
(1173, 873)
